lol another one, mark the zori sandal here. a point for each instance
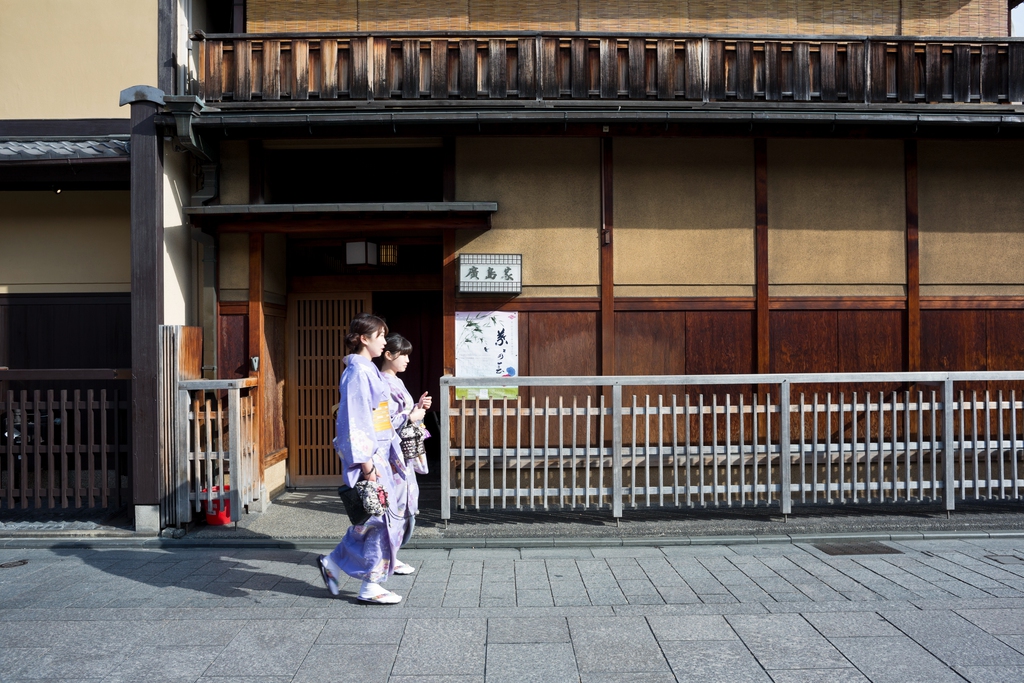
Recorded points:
(402, 569)
(385, 598)
(329, 579)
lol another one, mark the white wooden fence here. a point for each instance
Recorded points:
(217, 458)
(734, 440)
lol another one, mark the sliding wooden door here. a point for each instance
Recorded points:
(317, 324)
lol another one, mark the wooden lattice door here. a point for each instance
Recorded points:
(317, 324)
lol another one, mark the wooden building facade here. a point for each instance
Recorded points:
(694, 188)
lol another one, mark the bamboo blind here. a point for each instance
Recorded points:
(954, 17)
(414, 15)
(301, 16)
(813, 17)
(524, 15)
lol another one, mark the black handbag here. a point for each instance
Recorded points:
(353, 502)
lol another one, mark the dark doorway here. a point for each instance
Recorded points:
(417, 316)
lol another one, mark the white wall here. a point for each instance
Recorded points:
(178, 302)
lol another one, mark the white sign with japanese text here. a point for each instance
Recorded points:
(487, 345)
(491, 273)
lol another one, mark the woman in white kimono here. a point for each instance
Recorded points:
(364, 442)
(394, 360)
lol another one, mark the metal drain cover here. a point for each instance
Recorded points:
(1005, 559)
(12, 565)
(857, 548)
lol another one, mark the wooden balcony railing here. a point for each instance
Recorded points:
(248, 68)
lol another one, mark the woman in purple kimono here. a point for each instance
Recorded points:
(364, 443)
(404, 411)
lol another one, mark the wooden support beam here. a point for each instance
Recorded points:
(761, 255)
(607, 262)
(147, 273)
(913, 363)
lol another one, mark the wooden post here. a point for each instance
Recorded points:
(256, 342)
(761, 253)
(913, 363)
(167, 42)
(147, 272)
(607, 262)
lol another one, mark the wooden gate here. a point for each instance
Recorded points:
(317, 324)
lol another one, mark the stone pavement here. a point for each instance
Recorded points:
(940, 610)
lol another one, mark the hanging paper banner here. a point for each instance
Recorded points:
(487, 345)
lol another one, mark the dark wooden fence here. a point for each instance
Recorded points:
(64, 447)
(245, 68)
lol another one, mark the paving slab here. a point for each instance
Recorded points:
(713, 661)
(530, 662)
(598, 644)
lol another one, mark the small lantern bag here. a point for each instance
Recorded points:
(411, 436)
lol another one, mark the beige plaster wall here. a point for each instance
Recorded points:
(233, 262)
(71, 242)
(684, 217)
(971, 213)
(275, 477)
(66, 59)
(234, 172)
(836, 217)
(179, 308)
(548, 193)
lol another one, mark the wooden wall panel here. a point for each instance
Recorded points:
(43, 331)
(233, 347)
(67, 331)
(953, 340)
(719, 342)
(1005, 340)
(804, 341)
(1004, 349)
(563, 343)
(272, 389)
(650, 343)
(870, 341)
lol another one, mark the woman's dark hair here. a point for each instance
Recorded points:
(398, 345)
(363, 325)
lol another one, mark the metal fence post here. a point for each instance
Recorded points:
(446, 502)
(949, 491)
(617, 450)
(785, 459)
(234, 453)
